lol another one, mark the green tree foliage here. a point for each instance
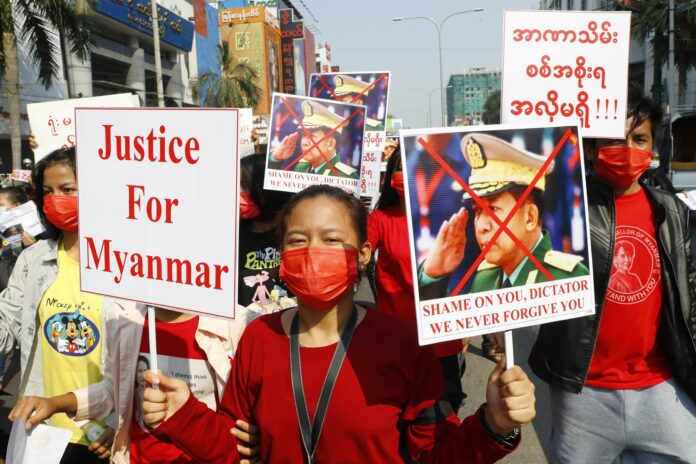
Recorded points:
(491, 109)
(651, 22)
(32, 22)
(234, 88)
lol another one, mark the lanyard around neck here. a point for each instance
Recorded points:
(309, 431)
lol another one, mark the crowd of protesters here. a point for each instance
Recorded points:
(305, 373)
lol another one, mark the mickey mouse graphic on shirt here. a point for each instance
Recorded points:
(71, 333)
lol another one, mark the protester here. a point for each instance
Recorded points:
(623, 381)
(387, 386)
(11, 197)
(387, 232)
(64, 351)
(191, 347)
(259, 287)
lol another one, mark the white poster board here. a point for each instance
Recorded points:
(53, 122)
(567, 67)
(158, 223)
(246, 124)
(465, 235)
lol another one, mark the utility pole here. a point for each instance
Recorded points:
(158, 58)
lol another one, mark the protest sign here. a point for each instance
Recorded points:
(497, 228)
(363, 88)
(24, 217)
(314, 142)
(21, 175)
(52, 122)
(154, 225)
(568, 67)
(246, 125)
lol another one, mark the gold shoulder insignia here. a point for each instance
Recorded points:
(474, 151)
(563, 261)
(345, 169)
(486, 265)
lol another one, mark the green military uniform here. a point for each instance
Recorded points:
(559, 265)
(345, 85)
(342, 169)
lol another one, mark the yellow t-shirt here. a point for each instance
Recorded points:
(71, 338)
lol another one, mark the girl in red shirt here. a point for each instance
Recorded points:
(332, 382)
(387, 232)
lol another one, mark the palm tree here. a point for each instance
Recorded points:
(234, 88)
(31, 21)
(652, 19)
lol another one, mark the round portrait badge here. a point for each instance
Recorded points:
(636, 266)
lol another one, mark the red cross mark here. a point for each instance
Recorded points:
(315, 143)
(502, 225)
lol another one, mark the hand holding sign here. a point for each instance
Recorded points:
(160, 404)
(510, 399)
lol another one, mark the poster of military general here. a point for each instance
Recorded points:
(497, 225)
(314, 141)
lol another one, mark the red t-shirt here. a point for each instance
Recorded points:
(180, 357)
(387, 231)
(628, 354)
(375, 399)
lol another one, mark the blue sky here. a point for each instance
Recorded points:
(363, 37)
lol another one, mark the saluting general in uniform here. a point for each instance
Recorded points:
(351, 90)
(500, 173)
(320, 154)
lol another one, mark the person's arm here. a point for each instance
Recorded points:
(283, 151)
(435, 434)
(11, 301)
(175, 414)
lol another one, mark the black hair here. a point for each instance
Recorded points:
(642, 108)
(536, 196)
(355, 208)
(64, 156)
(252, 171)
(389, 196)
(15, 195)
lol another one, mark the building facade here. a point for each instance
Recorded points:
(467, 93)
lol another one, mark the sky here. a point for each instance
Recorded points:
(363, 37)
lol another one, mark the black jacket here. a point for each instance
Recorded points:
(562, 353)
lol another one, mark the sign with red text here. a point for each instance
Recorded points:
(158, 205)
(314, 141)
(497, 228)
(369, 88)
(567, 67)
(52, 123)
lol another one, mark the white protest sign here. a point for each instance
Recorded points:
(567, 67)
(41, 445)
(466, 234)
(24, 217)
(158, 206)
(52, 122)
(246, 124)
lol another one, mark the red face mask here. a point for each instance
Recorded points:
(247, 207)
(319, 277)
(61, 211)
(622, 166)
(397, 183)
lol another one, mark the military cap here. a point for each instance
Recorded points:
(317, 116)
(391, 143)
(497, 165)
(346, 85)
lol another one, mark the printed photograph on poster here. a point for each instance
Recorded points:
(390, 146)
(314, 141)
(566, 67)
(498, 232)
(361, 88)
